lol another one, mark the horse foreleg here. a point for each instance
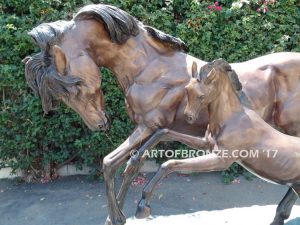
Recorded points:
(206, 163)
(284, 208)
(110, 165)
(134, 165)
(136, 159)
(135, 162)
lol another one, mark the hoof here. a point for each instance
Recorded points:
(107, 222)
(143, 210)
(120, 220)
(281, 222)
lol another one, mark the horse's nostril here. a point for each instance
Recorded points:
(103, 126)
(189, 118)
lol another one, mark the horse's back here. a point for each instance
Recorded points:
(270, 82)
(279, 59)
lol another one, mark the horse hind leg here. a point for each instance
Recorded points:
(286, 115)
(284, 208)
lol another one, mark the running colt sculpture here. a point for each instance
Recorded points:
(278, 158)
(152, 69)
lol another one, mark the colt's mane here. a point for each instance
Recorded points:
(233, 77)
(226, 68)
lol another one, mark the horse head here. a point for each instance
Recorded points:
(56, 74)
(204, 87)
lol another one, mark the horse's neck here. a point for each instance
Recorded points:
(131, 59)
(222, 108)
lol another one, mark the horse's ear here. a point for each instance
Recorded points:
(194, 70)
(210, 76)
(60, 59)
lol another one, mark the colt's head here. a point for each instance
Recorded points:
(204, 87)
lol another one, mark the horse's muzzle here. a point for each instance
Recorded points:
(190, 118)
(104, 125)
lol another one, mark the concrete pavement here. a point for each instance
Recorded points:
(196, 199)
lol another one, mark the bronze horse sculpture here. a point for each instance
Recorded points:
(152, 69)
(277, 157)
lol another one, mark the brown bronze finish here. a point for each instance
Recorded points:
(152, 69)
(234, 128)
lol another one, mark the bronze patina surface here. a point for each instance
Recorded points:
(235, 130)
(152, 69)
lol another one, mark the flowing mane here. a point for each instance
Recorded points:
(41, 74)
(47, 83)
(121, 26)
(172, 42)
(47, 34)
(118, 23)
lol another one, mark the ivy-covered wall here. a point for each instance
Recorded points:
(235, 30)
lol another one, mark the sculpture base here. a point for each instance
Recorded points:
(258, 215)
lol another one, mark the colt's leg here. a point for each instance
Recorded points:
(112, 162)
(206, 163)
(284, 208)
(192, 141)
(135, 163)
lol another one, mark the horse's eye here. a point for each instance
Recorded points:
(201, 97)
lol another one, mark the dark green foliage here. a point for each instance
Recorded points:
(31, 141)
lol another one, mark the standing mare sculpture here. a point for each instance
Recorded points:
(152, 69)
(236, 131)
